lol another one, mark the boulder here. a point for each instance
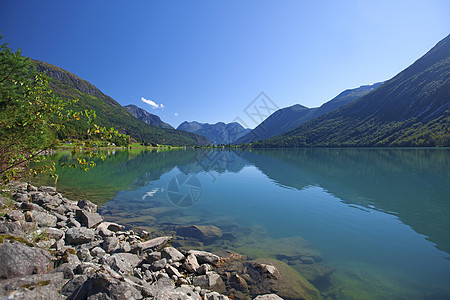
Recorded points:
(74, 285)
(123, 262)
(102, 285)
(172, 271)
(191, 264)
(11, 228)
(42, 219)
(266, 276)
(205, 257)
(15, 215)
(81, 235)
(268, 297)
(202, 233)
(89, 219)
(87, 205)
(98, 252)
(215, 296)
(159, 264)
(211, 281)
(238, 283)
(46, 189)
(110, 244)
(38, 286)
(172, 253)
(203, 269)
(154, 244)
(54, 233)
(17, 259)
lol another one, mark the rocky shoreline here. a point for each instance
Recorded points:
(55, 248)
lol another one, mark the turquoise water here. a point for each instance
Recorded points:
(379, 217)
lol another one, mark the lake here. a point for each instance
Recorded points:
(377, 220)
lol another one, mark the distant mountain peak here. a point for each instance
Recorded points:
(147, 117)
(218, 133)
(290, 117)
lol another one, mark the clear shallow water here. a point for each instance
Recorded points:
(380, 217)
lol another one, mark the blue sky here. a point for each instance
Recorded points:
(208, 60)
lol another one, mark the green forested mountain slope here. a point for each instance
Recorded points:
(411, 109)
(290, 117)
(109, 112)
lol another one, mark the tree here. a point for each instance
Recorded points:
(31, 116)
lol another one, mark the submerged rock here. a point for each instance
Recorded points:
(270, 275)
(202, 233)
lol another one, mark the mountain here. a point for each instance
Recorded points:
(219, 133)
(411, 109)
(147, 117)
(290, 117)
(109, 112)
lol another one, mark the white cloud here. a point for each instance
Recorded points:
(176, 114)
(151, 193)
(152, 103)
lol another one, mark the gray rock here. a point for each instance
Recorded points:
(205, 257)
(45, 200)
(123, 262)
(31, 188)
(191, 264)
(124, 247)
(103, 231)
(17, 259)
(73, 223)
(87, 268)
(115, 227)
(60, 217)
(89, 219)
(238, 283)
(215, 296)
(42, 219)
(164, 289)
(268, 297)
(98, 252)
(54, 233)
(39, 286)
(90, 245)
(15, 215)
(30, 206)
(173, 272)
(154, 244)
(47, 189)
(87, 205)
(74, 285)
(76, 236)
(46, 244)
(84, 255)
(105, 286)
(211, 281)
(203, 269)
(59, 245)
(159, 264)
(11, 228)
(110, 244)
(20, 197)
(172, 253)
(152, 257)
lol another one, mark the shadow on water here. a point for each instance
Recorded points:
(413, 184)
